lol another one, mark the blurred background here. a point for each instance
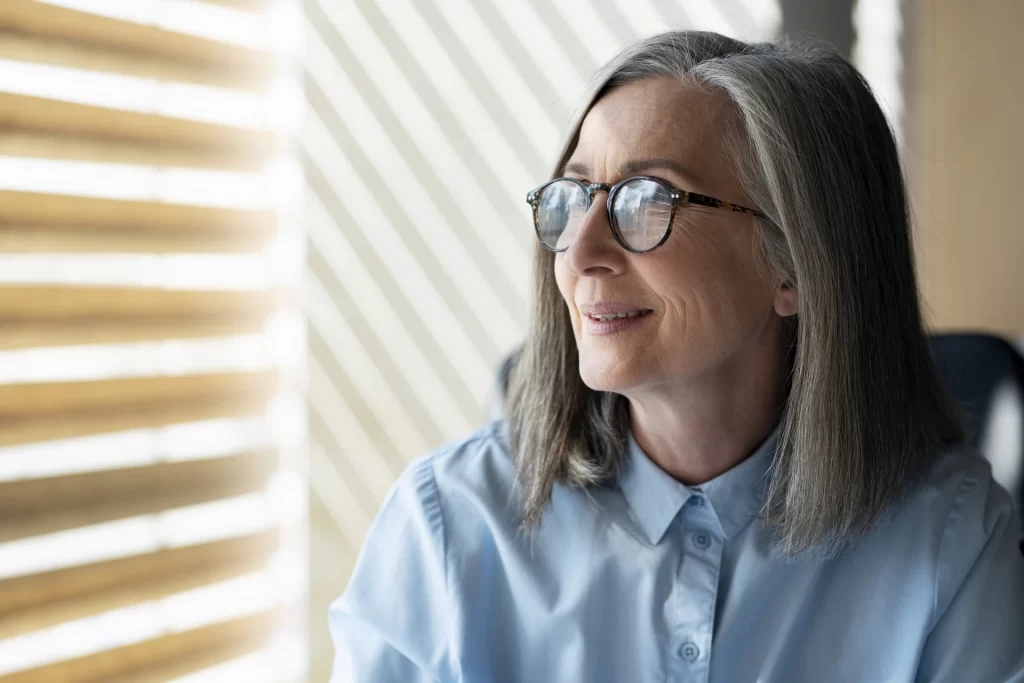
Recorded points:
(256, 255)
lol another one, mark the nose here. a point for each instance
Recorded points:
(593, 250)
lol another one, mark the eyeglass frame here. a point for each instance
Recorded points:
(679, 197)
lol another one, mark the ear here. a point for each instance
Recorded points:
(786, 301)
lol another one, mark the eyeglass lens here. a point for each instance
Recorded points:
(641, 209)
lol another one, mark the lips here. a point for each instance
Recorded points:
(616, 308)
(618, 316)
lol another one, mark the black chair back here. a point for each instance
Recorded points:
(985, 374)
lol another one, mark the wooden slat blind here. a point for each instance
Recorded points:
(48, 128)
(162, 658)
(35, 601)
(54, 316)
(46, 323)
(39, 32)
(47, 504)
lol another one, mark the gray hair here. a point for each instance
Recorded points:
(864, 412)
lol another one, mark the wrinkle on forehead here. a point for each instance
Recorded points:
(660, 117)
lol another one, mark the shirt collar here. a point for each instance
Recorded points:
(655, 497)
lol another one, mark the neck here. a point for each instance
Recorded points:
(697, 430)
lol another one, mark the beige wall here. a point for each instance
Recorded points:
(965, 154)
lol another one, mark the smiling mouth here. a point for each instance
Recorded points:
(616, 316)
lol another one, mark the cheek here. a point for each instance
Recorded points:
(711, 283)
(566, 286)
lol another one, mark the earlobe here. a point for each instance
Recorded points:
(787, 301)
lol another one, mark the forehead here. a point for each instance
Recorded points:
(655, 118)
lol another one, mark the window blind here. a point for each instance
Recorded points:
(151, 420)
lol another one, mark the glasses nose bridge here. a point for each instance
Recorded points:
(604, 212)
(596, 187)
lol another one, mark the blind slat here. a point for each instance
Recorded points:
(143, 328)
(42, 505)
(22, 48)
(180, 653)
(247, 5)
(43, 22)
(41, 127)
(58, 209)
(21, 593)
(71, 238)
(54, 410)
(37, 601)
(32, 316)
(35, 303)
(64, 147)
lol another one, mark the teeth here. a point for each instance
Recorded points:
(614, 316)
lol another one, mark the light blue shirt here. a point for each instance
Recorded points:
(656, 581)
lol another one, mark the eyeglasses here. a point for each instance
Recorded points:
(640, 210)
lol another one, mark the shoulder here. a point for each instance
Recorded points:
(955, 489)
(394, 618)
(435, 501)
(963, 499)
(961, 512)
(476, 464)
(472, 474)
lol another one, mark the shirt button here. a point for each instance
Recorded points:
(701, 540)
(690, 652)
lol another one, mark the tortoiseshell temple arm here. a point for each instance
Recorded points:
(704, 200)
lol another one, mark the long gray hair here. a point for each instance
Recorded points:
(864, 411)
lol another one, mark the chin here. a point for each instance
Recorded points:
(601, 376)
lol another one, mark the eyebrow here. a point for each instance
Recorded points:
(634, 165)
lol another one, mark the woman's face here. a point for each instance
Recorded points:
(710, 305)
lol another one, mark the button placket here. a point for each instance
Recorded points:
(700, 567)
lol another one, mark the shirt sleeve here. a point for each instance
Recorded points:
(978, 632)
(391, 623)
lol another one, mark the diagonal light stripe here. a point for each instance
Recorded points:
(447, 366)
(395, 260)
(747, 24)
(450, 284)
(672, 15)
(437, 225)
(523, 98)
(764, 16)
(708, 16)
(355, 451)
(648, 17)
(376, 393)
(412, 113)
(330, 487)
(391, 334)
(597, 37)
(551, 81)
(620, 20)
(412, 137)
(550, 34)
(457, 77)
(404, 183)
(403, 396)
(452, 369)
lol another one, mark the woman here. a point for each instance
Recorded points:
(726, 455)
